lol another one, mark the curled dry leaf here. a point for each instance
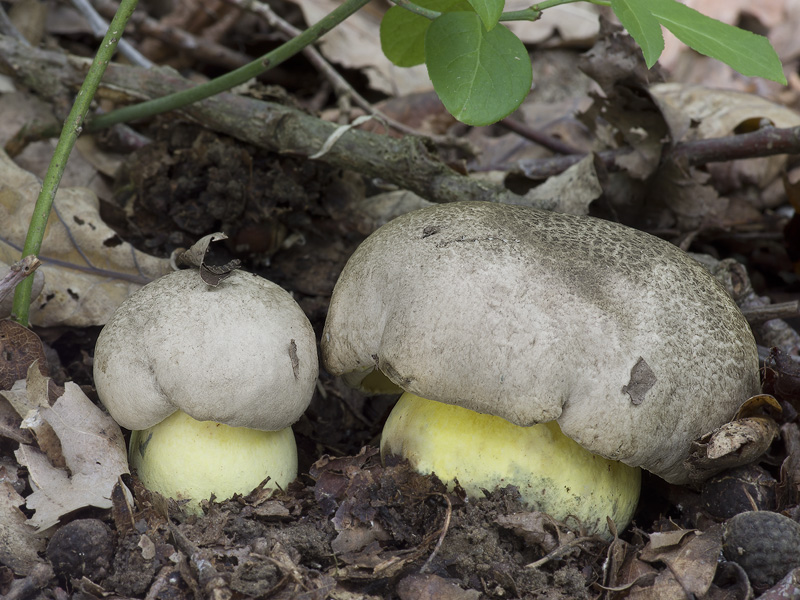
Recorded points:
(198, 254)
(88, 269)
(93, 451)
(736, 443)
(692, 564)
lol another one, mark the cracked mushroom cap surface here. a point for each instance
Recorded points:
(536, 316)
(242, 353)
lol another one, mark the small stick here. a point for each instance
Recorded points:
(445, 527)
(560, 551)
(18, 271)
(782, 310)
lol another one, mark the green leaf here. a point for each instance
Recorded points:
(480, 76)
(489, 11)
(403, 37)
(403, 32)
(748, 53)
(636, 17)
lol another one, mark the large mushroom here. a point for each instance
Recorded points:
(209, 379)
(510, 327)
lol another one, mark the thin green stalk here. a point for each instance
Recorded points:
(69, 135)
(528, 14)
(232, 79)
(551, 3)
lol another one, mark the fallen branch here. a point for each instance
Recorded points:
(407, 163)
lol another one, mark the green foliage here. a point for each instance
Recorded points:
(403, 32)
(746, 52)
(636, 17)
(489, 11)
(482, 72)
(403, 37)
(481, 76)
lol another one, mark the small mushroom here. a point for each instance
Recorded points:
(210, 380)
(510, 327)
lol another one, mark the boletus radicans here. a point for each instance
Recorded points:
(556, 353)
(210, 380)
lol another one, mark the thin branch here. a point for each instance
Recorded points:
(202, 49)
(230, 80)
(767, 141)
(100, 27)
(408, 162)
(547, 141)
(8, 28)
(340, 85)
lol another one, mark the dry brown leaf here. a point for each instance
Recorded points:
(433, 587)
(536, 529)
(699, 113)
(355, 43)
(94, 452)
(692, 561)
(89, 271)
(19, 543)
(736, 443)
(20, 347)
(569, 192)
(695, 112)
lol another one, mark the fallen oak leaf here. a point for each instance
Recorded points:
(19, 544)
(93, 450)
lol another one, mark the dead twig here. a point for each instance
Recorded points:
(100, 26)
(18, 271)
(340, 85)
(561, 551)
(408, 162)
(202, 49)
(445, 527)
(536, 136)
(761, 314)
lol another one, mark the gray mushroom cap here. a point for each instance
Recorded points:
(242, 353)
(535, 316)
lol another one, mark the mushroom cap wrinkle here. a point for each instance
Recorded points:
(242, 353)
(535, 316)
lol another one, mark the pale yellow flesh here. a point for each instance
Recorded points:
(553, 473)
(186, 459)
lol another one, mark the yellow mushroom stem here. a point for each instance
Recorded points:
(552, 472)
(185, 459)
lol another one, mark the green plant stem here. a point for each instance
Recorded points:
(551, 3)
(528, 14)
(232, 79)
(69, 135)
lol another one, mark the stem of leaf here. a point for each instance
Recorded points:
(551, 3)
(69, 135)
(234, 78)
(528, 14)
